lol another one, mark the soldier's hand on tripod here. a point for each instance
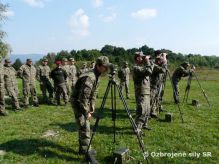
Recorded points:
(92, 108)
(193, 67)
(89, 116)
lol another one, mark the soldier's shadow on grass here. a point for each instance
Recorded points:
(42, 147)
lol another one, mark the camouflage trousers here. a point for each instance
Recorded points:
(29, 89)
(83, 127)
(71, 85)
(162, 88)
(155, 101)
(125, 84)
(45, 85)
(175, 91)
(61, 90)
(142, 109)
(2, 99)
(13, 93)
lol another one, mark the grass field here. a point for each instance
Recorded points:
(22, 137)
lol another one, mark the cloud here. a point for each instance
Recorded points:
(8, 13)
(79, 23)
(109, 18)
(97, 3)
(144, 14)
(36, 3)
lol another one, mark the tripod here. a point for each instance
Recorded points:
(188, 88)
(186, 95)
(113, 86)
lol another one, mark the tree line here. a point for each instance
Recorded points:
(118, 55)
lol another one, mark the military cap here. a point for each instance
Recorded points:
(126, 63)
(84, 63)
(58, 62)
(45, 59)
(7, 61)
(157, 52)
(64, 59)
(139, 53)
(29, 60)
(185, 63)
(103, 60)
(71, 59)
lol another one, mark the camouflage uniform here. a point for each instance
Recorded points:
(155, 85)
(11, 84)
(83, 102)
(176, 77)
(59, 77)
(2, 93)
(124, 79)
(66, 67)
(28, 74)
(43, 76)
(83, 69)
(141, 79)
(72, 75)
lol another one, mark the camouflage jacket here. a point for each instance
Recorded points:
(84, 94)
(43, 73)
(83, 70)
(179, 73)
(141, 77)
(1, 78)
(72, 72)
(124, 74)
(10, 76)
(27, 73)
(156, 76)
(67, 69)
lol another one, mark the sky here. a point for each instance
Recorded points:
(41, 26)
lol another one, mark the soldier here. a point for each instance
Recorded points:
(11, 83)
(142, 70)
(92, 65)
(124, 78)
(162, 78)
(27, 73)
(66, 67)
(72, 74)
(155, 80)
(83, 68)
(182, 71)
(59, 77)
(43, 76)
(2, 93)
(83, 100)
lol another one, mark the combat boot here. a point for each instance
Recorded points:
(3, 113)
(36, 104)
(145, 125)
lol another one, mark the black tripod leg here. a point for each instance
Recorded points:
(114, 119)
(113, 111)
(135, 130)
(189, 85)
(205, 95)
(100, 113)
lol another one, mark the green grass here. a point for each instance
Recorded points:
(21, 132)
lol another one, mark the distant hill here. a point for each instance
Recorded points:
(23, 57)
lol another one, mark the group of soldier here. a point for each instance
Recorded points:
(64, 77)
(80, 87)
